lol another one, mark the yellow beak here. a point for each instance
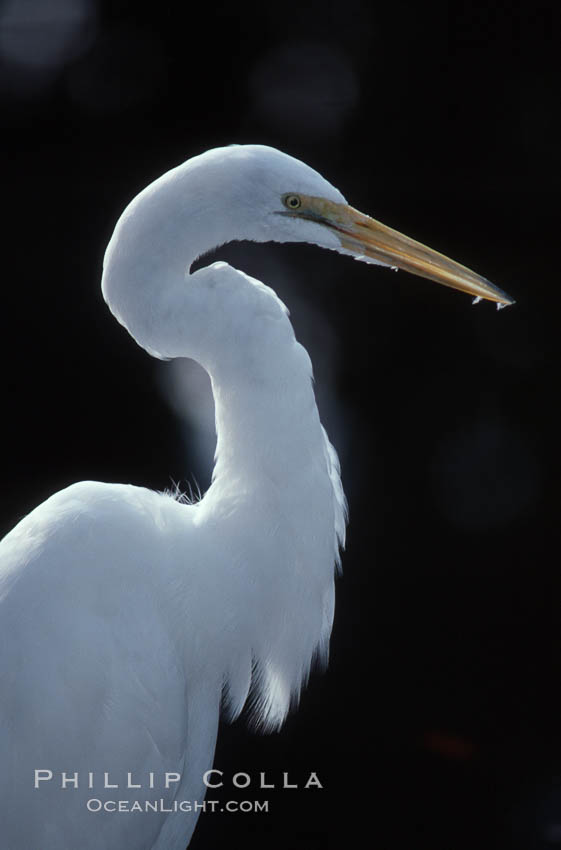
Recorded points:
(365, 237)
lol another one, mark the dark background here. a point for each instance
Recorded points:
(438, 722)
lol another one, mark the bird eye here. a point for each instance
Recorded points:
(292, 202)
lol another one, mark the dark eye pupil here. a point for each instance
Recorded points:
(292, 201)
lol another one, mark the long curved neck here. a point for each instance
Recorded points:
(234, 326)
(276, 493)
(147, 262)
(267, 424)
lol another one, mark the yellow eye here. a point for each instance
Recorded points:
(293, 202)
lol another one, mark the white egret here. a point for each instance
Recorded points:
(127, 616)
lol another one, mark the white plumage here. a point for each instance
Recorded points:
(125, 615)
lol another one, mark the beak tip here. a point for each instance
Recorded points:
(502, 298)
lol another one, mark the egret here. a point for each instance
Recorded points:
(131, 620)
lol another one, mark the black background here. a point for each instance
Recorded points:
(437, 723)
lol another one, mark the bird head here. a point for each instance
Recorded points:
(282, 199)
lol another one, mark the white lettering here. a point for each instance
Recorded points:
(129, 782)
(286, 783)
(48, 775)
(264, 784)
(313, 781)
(208, 783)
(106, 783)
(69, 779)
(238, 783)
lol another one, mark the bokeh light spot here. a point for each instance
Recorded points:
(38, 38)
(304, 89)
